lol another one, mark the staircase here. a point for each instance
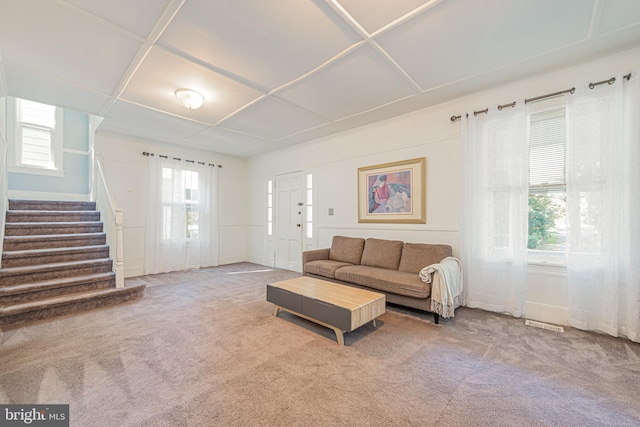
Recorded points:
(55, 262)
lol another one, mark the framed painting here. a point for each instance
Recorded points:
(393, 192)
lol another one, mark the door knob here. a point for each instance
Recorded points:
(299, 225)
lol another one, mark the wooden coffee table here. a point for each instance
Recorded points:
(336, 306)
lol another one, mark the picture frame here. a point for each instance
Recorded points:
(393, 192)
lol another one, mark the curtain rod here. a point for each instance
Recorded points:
(549, 95)
(146, 153)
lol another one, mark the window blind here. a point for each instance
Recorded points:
(547, 149)
(37, 124)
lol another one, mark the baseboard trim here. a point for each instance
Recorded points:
(547, 313)
(267, 262)
(41, 195)
(231, 260)
(133, 272)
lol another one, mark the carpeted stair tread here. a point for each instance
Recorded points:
(55, 262)
(35, 273)
(36, 252)
(16, 243)
(14, 216)
(49, 224)
(33, 212)
(12, 271)
(54, 283)
(40, 228)
(53, 255)
(20, 204)
(54, 301)
(17, 314)
(33, 291)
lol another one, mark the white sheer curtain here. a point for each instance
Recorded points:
(182, 216)
(495, 184)
(603, 208)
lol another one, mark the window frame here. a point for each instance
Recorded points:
(269, 203)
(191, 176)
(184, 203)
(309, 205)
(14, 139)
(540, 257)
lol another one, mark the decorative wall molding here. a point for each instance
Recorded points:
(388, 227)
(73, 151)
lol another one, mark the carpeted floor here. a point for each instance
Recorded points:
(202, 348)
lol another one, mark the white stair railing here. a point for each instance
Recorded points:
(112, 220)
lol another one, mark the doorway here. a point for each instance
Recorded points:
(288, 221)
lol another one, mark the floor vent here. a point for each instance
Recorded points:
(544, 326)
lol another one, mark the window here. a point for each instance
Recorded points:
(309, 207)
(181, 230)
(181, 198)
(192, 203)
(36, 130)
(547, 186)
(269, 208)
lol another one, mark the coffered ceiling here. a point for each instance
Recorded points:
(281, 72)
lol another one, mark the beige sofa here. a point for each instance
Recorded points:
(387, 266)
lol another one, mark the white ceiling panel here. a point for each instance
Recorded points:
(38, 87)
(269, 43)
(137, 16)
(375, 14)
(618, 14)
(63, 44)
(279, 73)
(228, 142)
(358, 82)
(457, 38)
(161, 73)
(272, 119)
(144, 123)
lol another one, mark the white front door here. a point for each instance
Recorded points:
(288, 221)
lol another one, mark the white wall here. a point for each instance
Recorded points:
(126, 173)
(427, 133)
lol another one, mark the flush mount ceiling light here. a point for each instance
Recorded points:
(190, 98)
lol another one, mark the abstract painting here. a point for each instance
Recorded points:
(393, 192)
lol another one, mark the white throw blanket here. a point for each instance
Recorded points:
(446, 287)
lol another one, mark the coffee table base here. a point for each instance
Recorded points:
(338, 331)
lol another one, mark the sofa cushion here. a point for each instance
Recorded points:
(346, 249)
(382, 253)
(416, 256)
(326, 268)
(397, 282)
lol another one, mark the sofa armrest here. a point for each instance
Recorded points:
(315, 255)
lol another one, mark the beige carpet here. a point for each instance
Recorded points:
(202, 348)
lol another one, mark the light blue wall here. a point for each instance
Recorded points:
(75, 163)
(76, 130)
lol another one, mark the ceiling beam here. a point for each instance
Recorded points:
(167, 16)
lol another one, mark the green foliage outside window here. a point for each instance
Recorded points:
(543, 214)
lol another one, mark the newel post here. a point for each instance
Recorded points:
(119, 249)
